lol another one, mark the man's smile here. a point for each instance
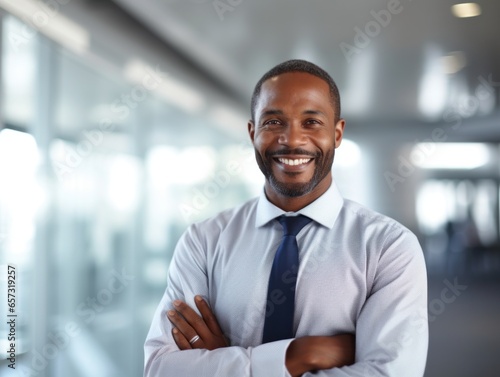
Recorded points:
(293, 161)
(293, 164)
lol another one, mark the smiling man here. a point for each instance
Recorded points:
(299, 280)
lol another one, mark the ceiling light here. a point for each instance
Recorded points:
(453, 62)
(169, 88)
(50, 22)
(465, 10)
(462, 156)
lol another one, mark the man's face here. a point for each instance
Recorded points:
(295, 134)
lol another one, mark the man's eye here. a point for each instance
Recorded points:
(313, 121)
(272, 122)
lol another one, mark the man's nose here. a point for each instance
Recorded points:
(292, 136)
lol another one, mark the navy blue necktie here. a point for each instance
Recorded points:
(281, 290)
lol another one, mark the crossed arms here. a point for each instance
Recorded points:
(390, 324)
(305, 354)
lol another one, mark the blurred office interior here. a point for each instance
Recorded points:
(121, 122)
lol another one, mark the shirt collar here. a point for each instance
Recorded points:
(323, 210)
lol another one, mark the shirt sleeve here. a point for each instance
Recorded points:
(392, 327)
(187, 278)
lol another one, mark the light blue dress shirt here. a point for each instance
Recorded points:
(360, 272)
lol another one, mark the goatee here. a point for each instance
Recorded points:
(323, 165)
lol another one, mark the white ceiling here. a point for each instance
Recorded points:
(398, 77)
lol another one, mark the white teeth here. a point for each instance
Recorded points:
(291, 162)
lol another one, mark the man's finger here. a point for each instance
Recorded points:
(180, 340)
(182, 325)
(208, 315)
(193, 320)
(194, 328)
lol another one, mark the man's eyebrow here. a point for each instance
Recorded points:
(279, 112)
(271, 112)
(314, 112)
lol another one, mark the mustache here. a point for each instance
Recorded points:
(296, 151)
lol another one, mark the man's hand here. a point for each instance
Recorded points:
(188, 324)
(312, 353)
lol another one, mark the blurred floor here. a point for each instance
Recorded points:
(465, 333)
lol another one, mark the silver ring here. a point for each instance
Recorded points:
(194, 339)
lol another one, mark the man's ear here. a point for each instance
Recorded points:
(339, 131)
(251, 129)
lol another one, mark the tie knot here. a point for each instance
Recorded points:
(293, 224)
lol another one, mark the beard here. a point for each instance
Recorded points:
(323, 165)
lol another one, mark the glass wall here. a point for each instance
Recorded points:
(99, 175)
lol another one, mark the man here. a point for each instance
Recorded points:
(358, 301)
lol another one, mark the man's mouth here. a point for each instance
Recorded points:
(294, 161)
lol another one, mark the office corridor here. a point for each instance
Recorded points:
(465, 336)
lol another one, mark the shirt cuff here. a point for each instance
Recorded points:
(269, 359)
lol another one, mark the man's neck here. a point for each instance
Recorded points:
(294, 204)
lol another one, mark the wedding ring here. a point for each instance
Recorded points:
(194, 339)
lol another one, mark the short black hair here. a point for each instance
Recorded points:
(297, 65)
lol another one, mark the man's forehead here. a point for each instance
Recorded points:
(295, 78)
(293, 87)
